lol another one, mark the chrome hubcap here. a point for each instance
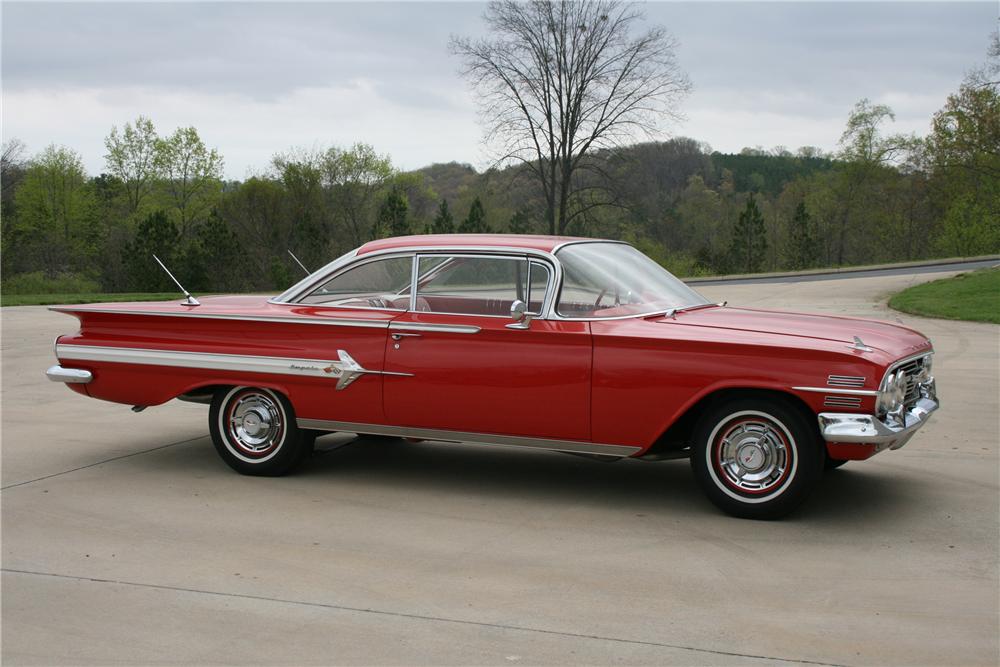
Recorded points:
(255, 423)
(753, 455)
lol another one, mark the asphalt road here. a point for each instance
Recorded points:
(126, 540)
(861, 273)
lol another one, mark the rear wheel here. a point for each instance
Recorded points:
(756, 458)
(254, 431)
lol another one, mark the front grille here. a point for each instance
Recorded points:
(913, 369)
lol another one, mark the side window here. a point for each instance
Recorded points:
(474, 285)
(383, 283)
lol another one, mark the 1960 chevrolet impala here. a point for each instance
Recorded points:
(573, 345)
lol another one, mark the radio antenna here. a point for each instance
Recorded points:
(308, 272)
(190, 300)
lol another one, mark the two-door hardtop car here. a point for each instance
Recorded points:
(565, 344)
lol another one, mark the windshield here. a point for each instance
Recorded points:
(616, 280)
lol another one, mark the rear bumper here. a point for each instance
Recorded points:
(851, 436)
(68, 375)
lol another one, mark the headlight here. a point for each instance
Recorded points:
(892, 394)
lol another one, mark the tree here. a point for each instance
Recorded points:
(519, 223)
(560, 80)
(158, 235)
(131, 157)
(444, 222)
(392, 215)
(212, 256)
(192, 175)
(475, 222)
(866, 156)
(353, 178)
(749, 239)
(802, 249)
(54, 209)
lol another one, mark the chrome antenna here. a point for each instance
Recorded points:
(298, 262)
(190, 300)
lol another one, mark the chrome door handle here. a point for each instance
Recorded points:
(400, 336)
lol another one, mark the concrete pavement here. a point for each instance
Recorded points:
(126, 540)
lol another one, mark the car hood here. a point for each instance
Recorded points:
(892, 339)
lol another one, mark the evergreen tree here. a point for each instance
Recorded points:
(519, 222)
(802, 248)
(158, 235)
(475, 223)
(749, 239)
(444, 222)
(392, 219)
(212, 256)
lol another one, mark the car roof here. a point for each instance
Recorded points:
(543, 243)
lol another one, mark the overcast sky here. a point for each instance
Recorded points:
(257, 78)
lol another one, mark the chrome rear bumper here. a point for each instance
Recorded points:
(868, 429)
(68, 375)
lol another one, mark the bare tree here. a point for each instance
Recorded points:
(559, 80)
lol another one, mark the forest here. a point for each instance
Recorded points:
(879, 197)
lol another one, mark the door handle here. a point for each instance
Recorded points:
(400, 336)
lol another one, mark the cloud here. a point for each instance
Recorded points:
(256, 78)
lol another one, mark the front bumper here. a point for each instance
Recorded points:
(867, 429)
(68, 375)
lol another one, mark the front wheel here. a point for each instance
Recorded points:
(254, 431)
(756, 458)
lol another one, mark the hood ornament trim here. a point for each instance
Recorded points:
(860, 346)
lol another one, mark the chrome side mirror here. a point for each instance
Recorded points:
(519, 313)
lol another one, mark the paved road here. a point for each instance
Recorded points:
(863, 273)
(125, 539)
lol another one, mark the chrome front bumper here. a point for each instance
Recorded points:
(868, 429)
(68, 375)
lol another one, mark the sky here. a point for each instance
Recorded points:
(259, 78)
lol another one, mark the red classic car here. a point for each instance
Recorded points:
(565, 344)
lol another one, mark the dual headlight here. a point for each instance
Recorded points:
(892, 394)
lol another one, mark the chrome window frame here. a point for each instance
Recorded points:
(511, 255)
(309, 286)
(293, 295)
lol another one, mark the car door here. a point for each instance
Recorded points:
(459, 366)
(357, 303)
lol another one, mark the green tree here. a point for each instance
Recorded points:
(444, 222)
(212, 256)
(802, 250)
(131, 158)
(352, 179)
(475, 222)
(54, 224)
(191, 176)
(519, 223)
(392, 220)
(749, 242)
(158, 235)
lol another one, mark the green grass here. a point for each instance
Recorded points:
(968, 296)
(89, 297)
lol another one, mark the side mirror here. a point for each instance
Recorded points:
(519, 313)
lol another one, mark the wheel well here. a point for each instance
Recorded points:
(679, 434)
(203, 394)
